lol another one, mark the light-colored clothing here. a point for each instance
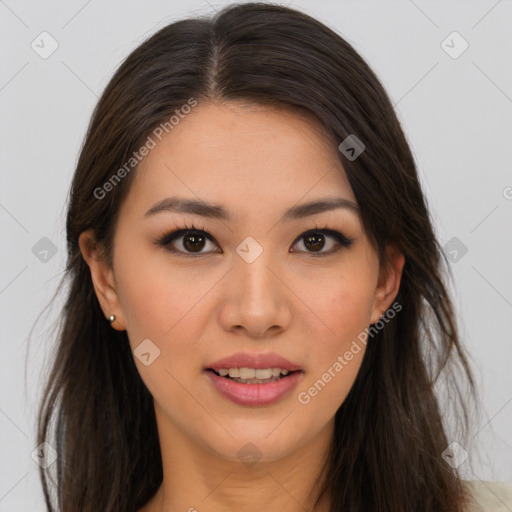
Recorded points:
(489, 496)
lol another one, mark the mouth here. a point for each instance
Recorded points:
(254, 379)
(254, 375)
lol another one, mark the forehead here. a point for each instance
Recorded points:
(239, 154)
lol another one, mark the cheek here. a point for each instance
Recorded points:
(343, 305)
(342, 301)
(349, 313)
(337, 358)
(159, 298)
(164, 306)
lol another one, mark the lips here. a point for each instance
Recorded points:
(256, 361)
(251, 392)
(254, 394)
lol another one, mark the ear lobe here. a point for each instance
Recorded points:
(390, 276)
(102, 277)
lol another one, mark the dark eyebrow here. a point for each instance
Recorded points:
(215, 211)
(318, 206)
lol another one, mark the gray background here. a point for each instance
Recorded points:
(456, 112)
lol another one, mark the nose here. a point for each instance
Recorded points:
(255, 298)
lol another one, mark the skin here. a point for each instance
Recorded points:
(256, 162)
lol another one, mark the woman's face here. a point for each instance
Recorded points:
(252, 283)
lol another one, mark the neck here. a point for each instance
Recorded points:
(196, 479)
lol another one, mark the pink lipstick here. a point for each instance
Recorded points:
(254, 379)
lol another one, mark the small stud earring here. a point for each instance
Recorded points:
(112, 318)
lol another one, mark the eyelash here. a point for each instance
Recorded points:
(165, 240)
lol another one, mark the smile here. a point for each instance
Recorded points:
(254, 391)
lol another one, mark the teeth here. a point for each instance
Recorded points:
(246, 373)
(252, 373)
(234, 372)
(256, 381)
(263, 373)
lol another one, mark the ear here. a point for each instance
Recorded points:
(102, 277)
(390, 275)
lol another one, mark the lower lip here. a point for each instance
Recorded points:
(254, 394)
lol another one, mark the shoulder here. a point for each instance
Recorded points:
(488, 496)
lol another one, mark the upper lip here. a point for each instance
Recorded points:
(246, 360)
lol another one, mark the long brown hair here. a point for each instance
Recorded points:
(389, 431)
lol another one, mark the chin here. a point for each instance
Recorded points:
(257, 443)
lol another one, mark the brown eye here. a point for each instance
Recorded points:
(316, 240)
(194, 242)
(187, 242)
